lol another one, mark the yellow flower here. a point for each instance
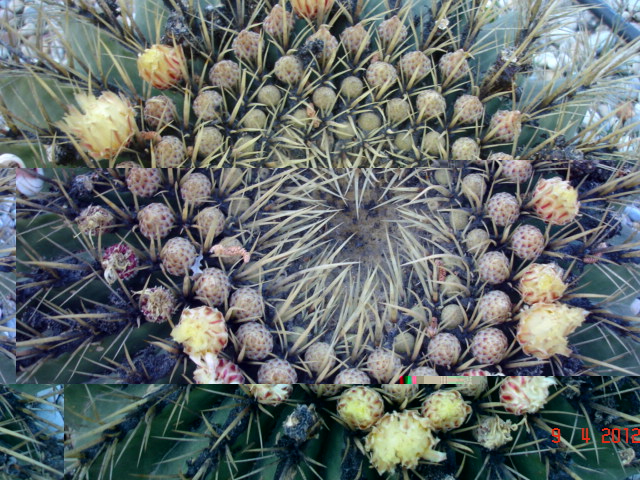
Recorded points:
(401, 439)
(103, 125)
(544, 327)
(162, 66)
(311, 8)
(201, 330)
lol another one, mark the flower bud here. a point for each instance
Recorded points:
(445, 410)
(401, 439)
(521, 395)
(542, 283)
(213, 369)
(555, 201)
(311, 8)
(162, 66)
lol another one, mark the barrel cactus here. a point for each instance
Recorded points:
(516, 427)
(320, 276)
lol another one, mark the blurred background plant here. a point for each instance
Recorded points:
(31, 431)
(7, 275)
(222, 432)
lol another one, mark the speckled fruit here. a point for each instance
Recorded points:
(288, 69)
(494, 268)
(177, 256)
(444, 349)
(210, 219)
(527, 242)
(489, 346)
(156, 220)
(256, 340)
(277, 370)
(144, 182)
(494, 307)
(352, 376)
(503, 208)
(246, 304)
(195, 189)
(320, 357)
(383, 365)
(212, 287)
(169, 152)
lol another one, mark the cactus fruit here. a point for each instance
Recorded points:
(489, 346)
(355, 92)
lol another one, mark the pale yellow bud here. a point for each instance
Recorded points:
(555, 201)
(311, 8)
(162, 66)
(542, 283)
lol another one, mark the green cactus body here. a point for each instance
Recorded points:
(220, 432)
